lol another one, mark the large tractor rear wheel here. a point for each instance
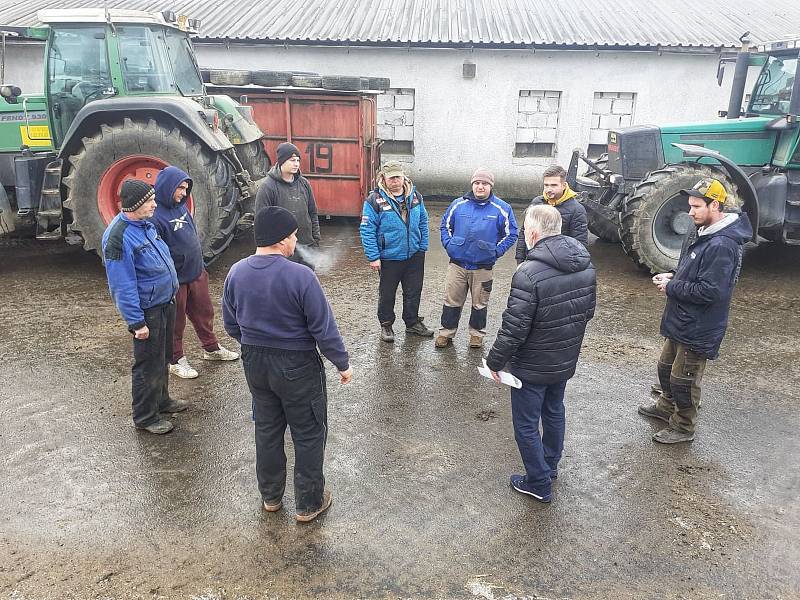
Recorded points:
(655, 218)
(139, 149)
(254, 158)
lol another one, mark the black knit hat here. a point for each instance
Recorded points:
(285, 151)
(273, 224)
(134, 193)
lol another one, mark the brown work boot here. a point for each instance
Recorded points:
(475, 341)
(273, 506)
(327, 500)
(654, 411)
(670, 435)
(442, 341)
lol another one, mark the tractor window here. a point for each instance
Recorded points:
(145, 63)
(774, 87)
(77, 73)
(187, 75)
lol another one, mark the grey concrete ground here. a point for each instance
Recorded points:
(419, 455)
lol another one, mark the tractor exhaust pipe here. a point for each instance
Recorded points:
(739, 78)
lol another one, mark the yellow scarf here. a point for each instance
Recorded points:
(568, 193)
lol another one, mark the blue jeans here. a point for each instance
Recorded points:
(540, 453)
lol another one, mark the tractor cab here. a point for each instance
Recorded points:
(775, 86)
(94, 54)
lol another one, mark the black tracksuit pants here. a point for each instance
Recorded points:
(151, 357)
(288, 388)
(409, 273)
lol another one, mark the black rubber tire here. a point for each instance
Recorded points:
(639, 221)
(341, 82)
(254, 158)
(601, 227)
(230, 77)
(214, 193)
(272, 78)
(378, 83)
(306, 81)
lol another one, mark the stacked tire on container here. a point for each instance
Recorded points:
(346, 83)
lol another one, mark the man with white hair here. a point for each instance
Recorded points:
(552, 298)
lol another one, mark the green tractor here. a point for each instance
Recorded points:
(632, 194)
(123, 98)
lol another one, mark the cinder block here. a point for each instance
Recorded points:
(391, 117)
(525, 135)
(408, 117)
(609, 121)
(538, 120)
(404, 102)
(552, 120)
(595, 124)
(598, 136)
(529, 104)
(552, 94)
(545, 135)
(386, 132)
(404, 133)
(625, 120)
(549, 104)
(622, 106)
(601, 106)
(536, 93)
(523, 93)
(627, 95)
(385, 101)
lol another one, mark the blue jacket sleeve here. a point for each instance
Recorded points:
(447, 224)
(322, 325)
(423, 227)
(368, 230)
(716, 267)
(229, 311)
(124, 289)
(507, 226)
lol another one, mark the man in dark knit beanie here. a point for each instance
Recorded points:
(278, 312)
(143, 283)
(285, 186)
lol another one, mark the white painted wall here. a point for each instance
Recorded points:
(460, 124)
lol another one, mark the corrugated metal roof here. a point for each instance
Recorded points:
(513, 23)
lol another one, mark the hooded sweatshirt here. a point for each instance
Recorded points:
(573, 220)
(296, 197)
(176, 226)
(552, 298)
(699, 294)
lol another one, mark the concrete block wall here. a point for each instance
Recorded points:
(396, 115)
(537, 117)
(610, 110)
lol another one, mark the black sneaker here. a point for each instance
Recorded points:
(174, 406)
(518, 483)
(419, 329)
(387, 334)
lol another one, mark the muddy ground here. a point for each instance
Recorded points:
(419, 455)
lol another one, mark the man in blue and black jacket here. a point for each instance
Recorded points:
(698, 302)
(143, 283)
(394, 234)
(477, 229)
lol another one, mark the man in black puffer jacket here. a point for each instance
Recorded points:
(552, 298)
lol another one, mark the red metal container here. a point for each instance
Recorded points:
(336, 135)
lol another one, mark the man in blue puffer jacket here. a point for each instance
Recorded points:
(477, 229)
(143, 283)
(698, 301)
(176, 227)
(394, 234)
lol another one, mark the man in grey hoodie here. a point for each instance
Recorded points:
(286, 187)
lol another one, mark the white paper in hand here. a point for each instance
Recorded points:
(505, 377)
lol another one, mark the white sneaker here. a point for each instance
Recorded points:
(221, 354)
(183, 369)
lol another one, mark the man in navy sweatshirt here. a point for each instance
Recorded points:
(176, 227)
(277, 310)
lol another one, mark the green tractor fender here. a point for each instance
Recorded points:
(739, 177)
(187, 114)
(236, 120)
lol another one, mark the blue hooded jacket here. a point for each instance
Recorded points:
(384, 234)
(699, 294)
(176, 226)
(476, 233)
